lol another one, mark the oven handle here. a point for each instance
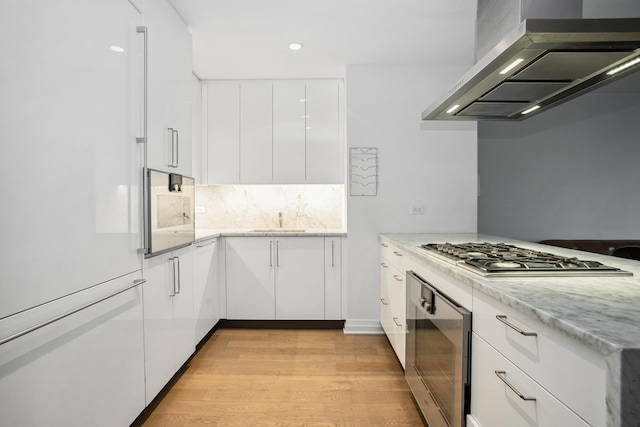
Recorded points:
(444, 297)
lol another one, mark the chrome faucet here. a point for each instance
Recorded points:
(280, 219)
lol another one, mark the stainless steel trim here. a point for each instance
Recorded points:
(170, 165)
(177, 148)
(501, 375)
(173, 277)
(395, 320)
(502, 318)
(68, 313)
(178, 275)
(270, 253)
(332, 251)
(146, 228)
(277, 253)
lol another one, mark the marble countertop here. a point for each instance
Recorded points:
(204, 234)
(601, 312)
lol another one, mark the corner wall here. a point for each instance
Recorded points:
(427, 164)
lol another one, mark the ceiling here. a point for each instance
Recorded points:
(248, 39)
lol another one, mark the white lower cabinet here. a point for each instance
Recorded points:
(393, 304)
(168, 317)
(86, 369)
(504, 396)
(206, 302)
(279, 278)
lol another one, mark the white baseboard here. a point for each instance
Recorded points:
(362, 326)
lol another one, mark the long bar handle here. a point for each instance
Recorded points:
(502, 375)
(395, 320)
(384, 265)
(270, 253)
(178, 275)
(171, 145)
(399, 279)
(146, 233)
(503, 319)
(332, 253)
(397, 253)
(69, 313)
(177, 147)
(173, 277)
(277, 253)
(384, 301)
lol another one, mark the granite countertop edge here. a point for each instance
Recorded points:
(587, 309)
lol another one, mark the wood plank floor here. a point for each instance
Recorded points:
(266, 377)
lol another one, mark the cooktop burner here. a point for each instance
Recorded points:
(500, 259)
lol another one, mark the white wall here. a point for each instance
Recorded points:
(420, 164)
(572, 172)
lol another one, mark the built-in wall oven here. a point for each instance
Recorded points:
(438, 362)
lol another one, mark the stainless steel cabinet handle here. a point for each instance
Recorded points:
(178, 275)
(270, 253)
(33, 328)
(384, 301)
(173, 277)
(503, 319)
(501, 375)
(177, 148)
(143, 140)
(395, 320)
(332, 252)
(384, 265)
(397, 253)
(384, 245)
(399, 279)
(277, 253)
(172, 163)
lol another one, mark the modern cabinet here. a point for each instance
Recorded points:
(85, 369)
(274, 132)
(557, 380)
(394, 264)
(333, 278)
(168, 316)
(169, 145)
(206, 300)
(280, 278)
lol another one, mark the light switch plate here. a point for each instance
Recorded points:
(416, 210)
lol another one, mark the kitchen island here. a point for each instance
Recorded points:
(597, 314)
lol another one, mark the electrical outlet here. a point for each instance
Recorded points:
(200, 209)
(416, 210)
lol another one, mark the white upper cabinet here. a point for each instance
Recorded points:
(324, 142)
(288, 133)
(222, 132)
(256, 133)
(274, 132)
(169, 89)
(71, 111)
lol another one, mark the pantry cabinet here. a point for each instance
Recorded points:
(279, 278)
(168, 316)
(274, 132)
(169, 127)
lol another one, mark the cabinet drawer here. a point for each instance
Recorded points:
(495, 404)
(573, 373)
(396, 256)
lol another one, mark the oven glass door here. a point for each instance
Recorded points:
(439, 333)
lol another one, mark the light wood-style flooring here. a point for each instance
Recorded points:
(269, 377)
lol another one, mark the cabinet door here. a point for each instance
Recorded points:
(289, 133)
(205, 295)
(324, 146)
(70, 117)
(158, 323)
(223, 132)
(86, 369)
(256, 133)
(250, 268)
(183, 320)
(299, 278)
(169, 89)
(333, 278)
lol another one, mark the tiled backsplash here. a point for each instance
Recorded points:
(257, 206)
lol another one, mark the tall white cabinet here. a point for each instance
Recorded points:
(274, 132)
(169, 89)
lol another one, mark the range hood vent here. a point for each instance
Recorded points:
(540, 64)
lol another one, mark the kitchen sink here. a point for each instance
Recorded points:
(277, 230)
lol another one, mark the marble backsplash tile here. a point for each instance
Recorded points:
(257, 206)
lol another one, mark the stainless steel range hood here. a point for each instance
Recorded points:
(540, 64)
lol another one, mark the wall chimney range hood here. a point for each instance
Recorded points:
(540, 64)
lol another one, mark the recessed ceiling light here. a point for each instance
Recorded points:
(295, 46)
(117, 49)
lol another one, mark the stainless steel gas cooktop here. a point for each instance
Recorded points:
(500, 260)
